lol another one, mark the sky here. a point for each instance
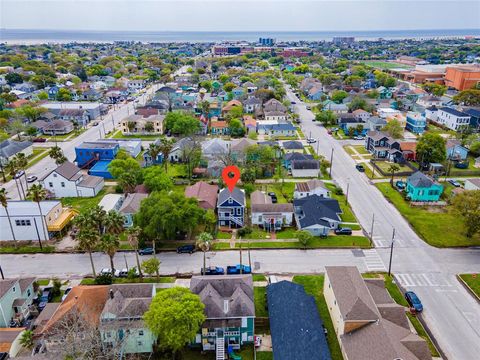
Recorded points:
(239, 15)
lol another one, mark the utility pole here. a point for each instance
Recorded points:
(371, 230)
(1, 272)
(126, 264)
(346, 197)
(331, 164)
(318, 144)
(241, 265)
(391, 253)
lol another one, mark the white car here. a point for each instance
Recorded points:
(105, 271)
(67, 290)
(311, 141)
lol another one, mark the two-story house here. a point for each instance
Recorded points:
(67, 180)
(138, 124)
(231, 207)
(121, 324)
(416, 122)
(135, 85)
(453, 119)
(229, 311)
(455, 150)
(90, 152)
(16, 297)
(382, 146)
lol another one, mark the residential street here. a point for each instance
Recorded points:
(451, 313)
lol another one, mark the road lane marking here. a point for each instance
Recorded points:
(372, 260)
(423, 280)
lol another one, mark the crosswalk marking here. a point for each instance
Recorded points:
(423, 280)
(380, 242)
(373, 262)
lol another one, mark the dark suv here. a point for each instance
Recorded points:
(186, 249)
(343, 231)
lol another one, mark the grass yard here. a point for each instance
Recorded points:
(317, 243)
(473, 282)
(361, 149)
(347, 215)
(259, 277)
(26, 249)
(43, 282)
(260, 297)
(177, 170)
(438, 227)
(283, 191)
(385, 65)
(84, 203)
(118, 135)
(223, 235)
(385, 165)
(349, 150)
(313, 285)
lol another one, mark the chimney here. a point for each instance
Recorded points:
(111, 294)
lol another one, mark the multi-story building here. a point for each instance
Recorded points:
(231, 207)
(16, 297)
(90, 152)
(462, 77)
(137, 124)
(416, 122)
(453, 119)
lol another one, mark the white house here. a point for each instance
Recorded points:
(429, 101)
(132, 146)
(111, 202)
(311, 187)
(387, 112)
(268, 215)
(361, 114)
(135, 85)
(10, 148)
(431, 113)
(453, 119)
(279, 116)
(68, 180)
(25, 222)
(472, 184)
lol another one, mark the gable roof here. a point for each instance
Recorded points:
(305, 164)
(309, 185)
(292, 145)
(204, 192)
(297, 156)
(131, 204)
(128, 300)
(295, 325)
(453, 112)
(10, 147)
(420, 180)
(237, 194)
(315, 209)
(68, 170)
(225, 296)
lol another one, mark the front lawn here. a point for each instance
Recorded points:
(313, 285)
(260, 297)
(317, 243)
(84, 203)
(26, 249)
(385, 165)
(119, 135)
(438, 226)
(146, 280)
(473, 282)
(347, 215)
(283, 191)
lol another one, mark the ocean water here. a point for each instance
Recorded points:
(17, 36)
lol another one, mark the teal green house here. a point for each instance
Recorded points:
(16, 297)
(229, 311)
(121, 324)
(422, 188)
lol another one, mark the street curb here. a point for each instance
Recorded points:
(468, 288)
(425, 326)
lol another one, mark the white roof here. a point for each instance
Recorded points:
(109, 201)
(27, 208)
(71, 105)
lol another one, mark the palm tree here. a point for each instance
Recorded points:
(166, 145)
(56, 154)
(88, 234)
(37, 193)
(110, 244)
(4, 202)
(114, 223)
(203, 243)
(130, 126)
(392, 170)
(153, 151)
(132, 236)
(11, 168)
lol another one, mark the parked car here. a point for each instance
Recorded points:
(257, 340)
(213, 270)
(343, 231)
(146, 251)
(461, 165)
(329, 132)
(309, 107)
(46, 297)
(186, 249)
(311, 141)
(273, 196)
(413, 301)
(292, 102)
(454, 183)
(19, 174)
(124, 272)
(358, 138)
(95, 123)
(400, 185)
(233, 270)
(67, 290)
(31, 178)
(39, 140)
(360, 167)
(106, 271)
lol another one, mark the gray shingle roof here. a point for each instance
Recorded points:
(420, 180)
(315, 208)
(237, 194)
(10, 147)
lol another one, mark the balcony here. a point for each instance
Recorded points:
(59, 223)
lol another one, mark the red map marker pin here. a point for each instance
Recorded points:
(230, 176)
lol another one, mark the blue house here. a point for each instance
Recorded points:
(231, 207)
(315, 93)
(474, 118)
(238, 92)
(281, 129)
(89, 153)
(130, 206)
(147, 158)
(416, 123)
(295, 325)
(52, 92)
(455, 150)
(422, 188)
(289, 157)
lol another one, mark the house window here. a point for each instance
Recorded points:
(239, 211)
(62, 184)
(14, 289)
(28, 292)
(230, 201)
(54, 175)
(139, 343)
(140, 332)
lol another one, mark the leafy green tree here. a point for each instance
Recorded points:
(31, 113)
(204, 241)
(467, 205)
(174, 316)
(229, 86)
(210, 220)
(119, 167)
(353, 80)
(8, 98)
(434, 89)
(431, 149)
(248, 175)
(304, 237)
(64, 94)
(236, 128)
(166, 145)
(394, 129)
(182, 123)
(151, 266)
(326, 117)
(338, 96)
(4, 203)
(13, 78)
(468, 97)
(17, 127)
(156, 179)
(162, 215)
(359, 102)
(26, 340)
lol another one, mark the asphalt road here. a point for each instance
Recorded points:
(450, 312)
